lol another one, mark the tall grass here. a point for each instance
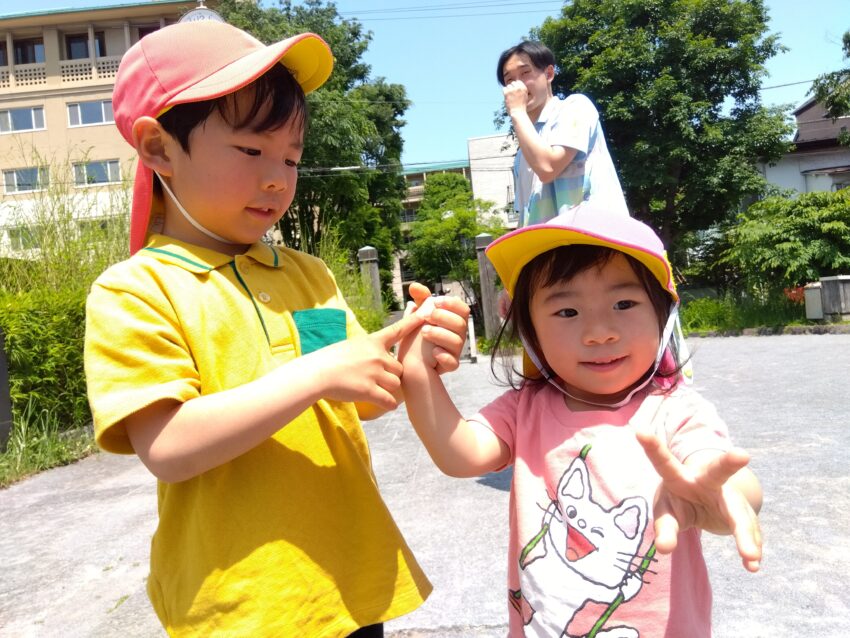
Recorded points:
(65, 236)
(355, 289)
(38, 441)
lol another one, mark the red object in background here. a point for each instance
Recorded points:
(795, 295)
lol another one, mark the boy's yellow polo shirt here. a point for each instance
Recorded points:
(292, 536)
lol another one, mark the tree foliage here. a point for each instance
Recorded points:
(355, 122)
(443, 236)
(833, 91)
(783, 242)
(676, 82)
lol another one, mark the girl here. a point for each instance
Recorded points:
(617, 465)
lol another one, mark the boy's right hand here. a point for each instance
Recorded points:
(363, 369)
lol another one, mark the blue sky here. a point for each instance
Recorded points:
(444, 53)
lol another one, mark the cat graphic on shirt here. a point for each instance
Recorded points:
(582, 553)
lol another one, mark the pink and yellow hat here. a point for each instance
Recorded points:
(193, 62)
(584, 224)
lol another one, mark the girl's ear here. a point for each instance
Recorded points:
(152, 144)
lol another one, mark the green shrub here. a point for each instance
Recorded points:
(44, 348)
(732, 313)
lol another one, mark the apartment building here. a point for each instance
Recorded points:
(57, 70)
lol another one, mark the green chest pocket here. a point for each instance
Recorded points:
(319, 327)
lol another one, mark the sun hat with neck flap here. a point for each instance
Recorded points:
(194, 62)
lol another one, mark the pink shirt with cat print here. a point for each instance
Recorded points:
(581, 557)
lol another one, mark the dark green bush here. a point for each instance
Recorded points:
(44, 347)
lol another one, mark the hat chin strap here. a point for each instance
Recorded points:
(188, 217)
(662, 346)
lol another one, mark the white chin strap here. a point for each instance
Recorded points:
(188, 217)
(672, 321)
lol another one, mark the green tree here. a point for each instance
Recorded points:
(676, 82)
(443, 235)
(833, 91)
(355, 123)
(782, 242)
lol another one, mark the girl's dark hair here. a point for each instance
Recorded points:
(559, 264)
(275, 94)
(539, 54)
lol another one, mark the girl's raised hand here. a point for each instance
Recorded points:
(711, 491)
(445, 327)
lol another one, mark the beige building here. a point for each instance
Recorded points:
(57, 69)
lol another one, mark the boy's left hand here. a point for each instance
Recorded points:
(446, 326)
(719, 495)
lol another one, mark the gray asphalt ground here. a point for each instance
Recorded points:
(74, 540)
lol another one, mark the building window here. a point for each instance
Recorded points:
(25, 237)
(30, 118)
(25, 180)
(407, 215)
(29, 51)
(77, 45)
(86, 113)
(4, 57)
(104, 172)
(405, 271)
(143, 31)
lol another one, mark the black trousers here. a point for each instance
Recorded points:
(372, 631)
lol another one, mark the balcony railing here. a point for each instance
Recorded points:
(25, 77)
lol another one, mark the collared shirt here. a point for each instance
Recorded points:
(291, 537)
(573, 123)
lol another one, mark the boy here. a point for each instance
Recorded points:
(203, 345)
(562, 158)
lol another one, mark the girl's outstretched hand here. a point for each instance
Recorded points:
(711, 491)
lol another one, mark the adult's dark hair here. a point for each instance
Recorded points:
(277, 99)
(562, 264)
(539, 54)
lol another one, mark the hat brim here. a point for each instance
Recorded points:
(510, 253)
(307, 57)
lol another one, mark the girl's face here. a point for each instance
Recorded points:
(598, 332)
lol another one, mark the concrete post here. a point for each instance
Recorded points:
(489, 294)
(368, 258)
(5, 397)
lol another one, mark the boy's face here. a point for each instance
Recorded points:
(235, 183)
(538, 82)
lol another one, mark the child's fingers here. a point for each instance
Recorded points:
(744, 523)
(669, 468)
(666, 529)
(397, 331)
(446, 361)
(418, 292)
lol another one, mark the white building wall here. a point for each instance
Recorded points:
(808, 171)
(491, 160)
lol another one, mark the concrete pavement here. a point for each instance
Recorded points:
(74, 540)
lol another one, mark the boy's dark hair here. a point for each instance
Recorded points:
(558, 264)
(275, 94)
(539, 54)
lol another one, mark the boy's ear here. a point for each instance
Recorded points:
(152, 144)
(550, 73)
